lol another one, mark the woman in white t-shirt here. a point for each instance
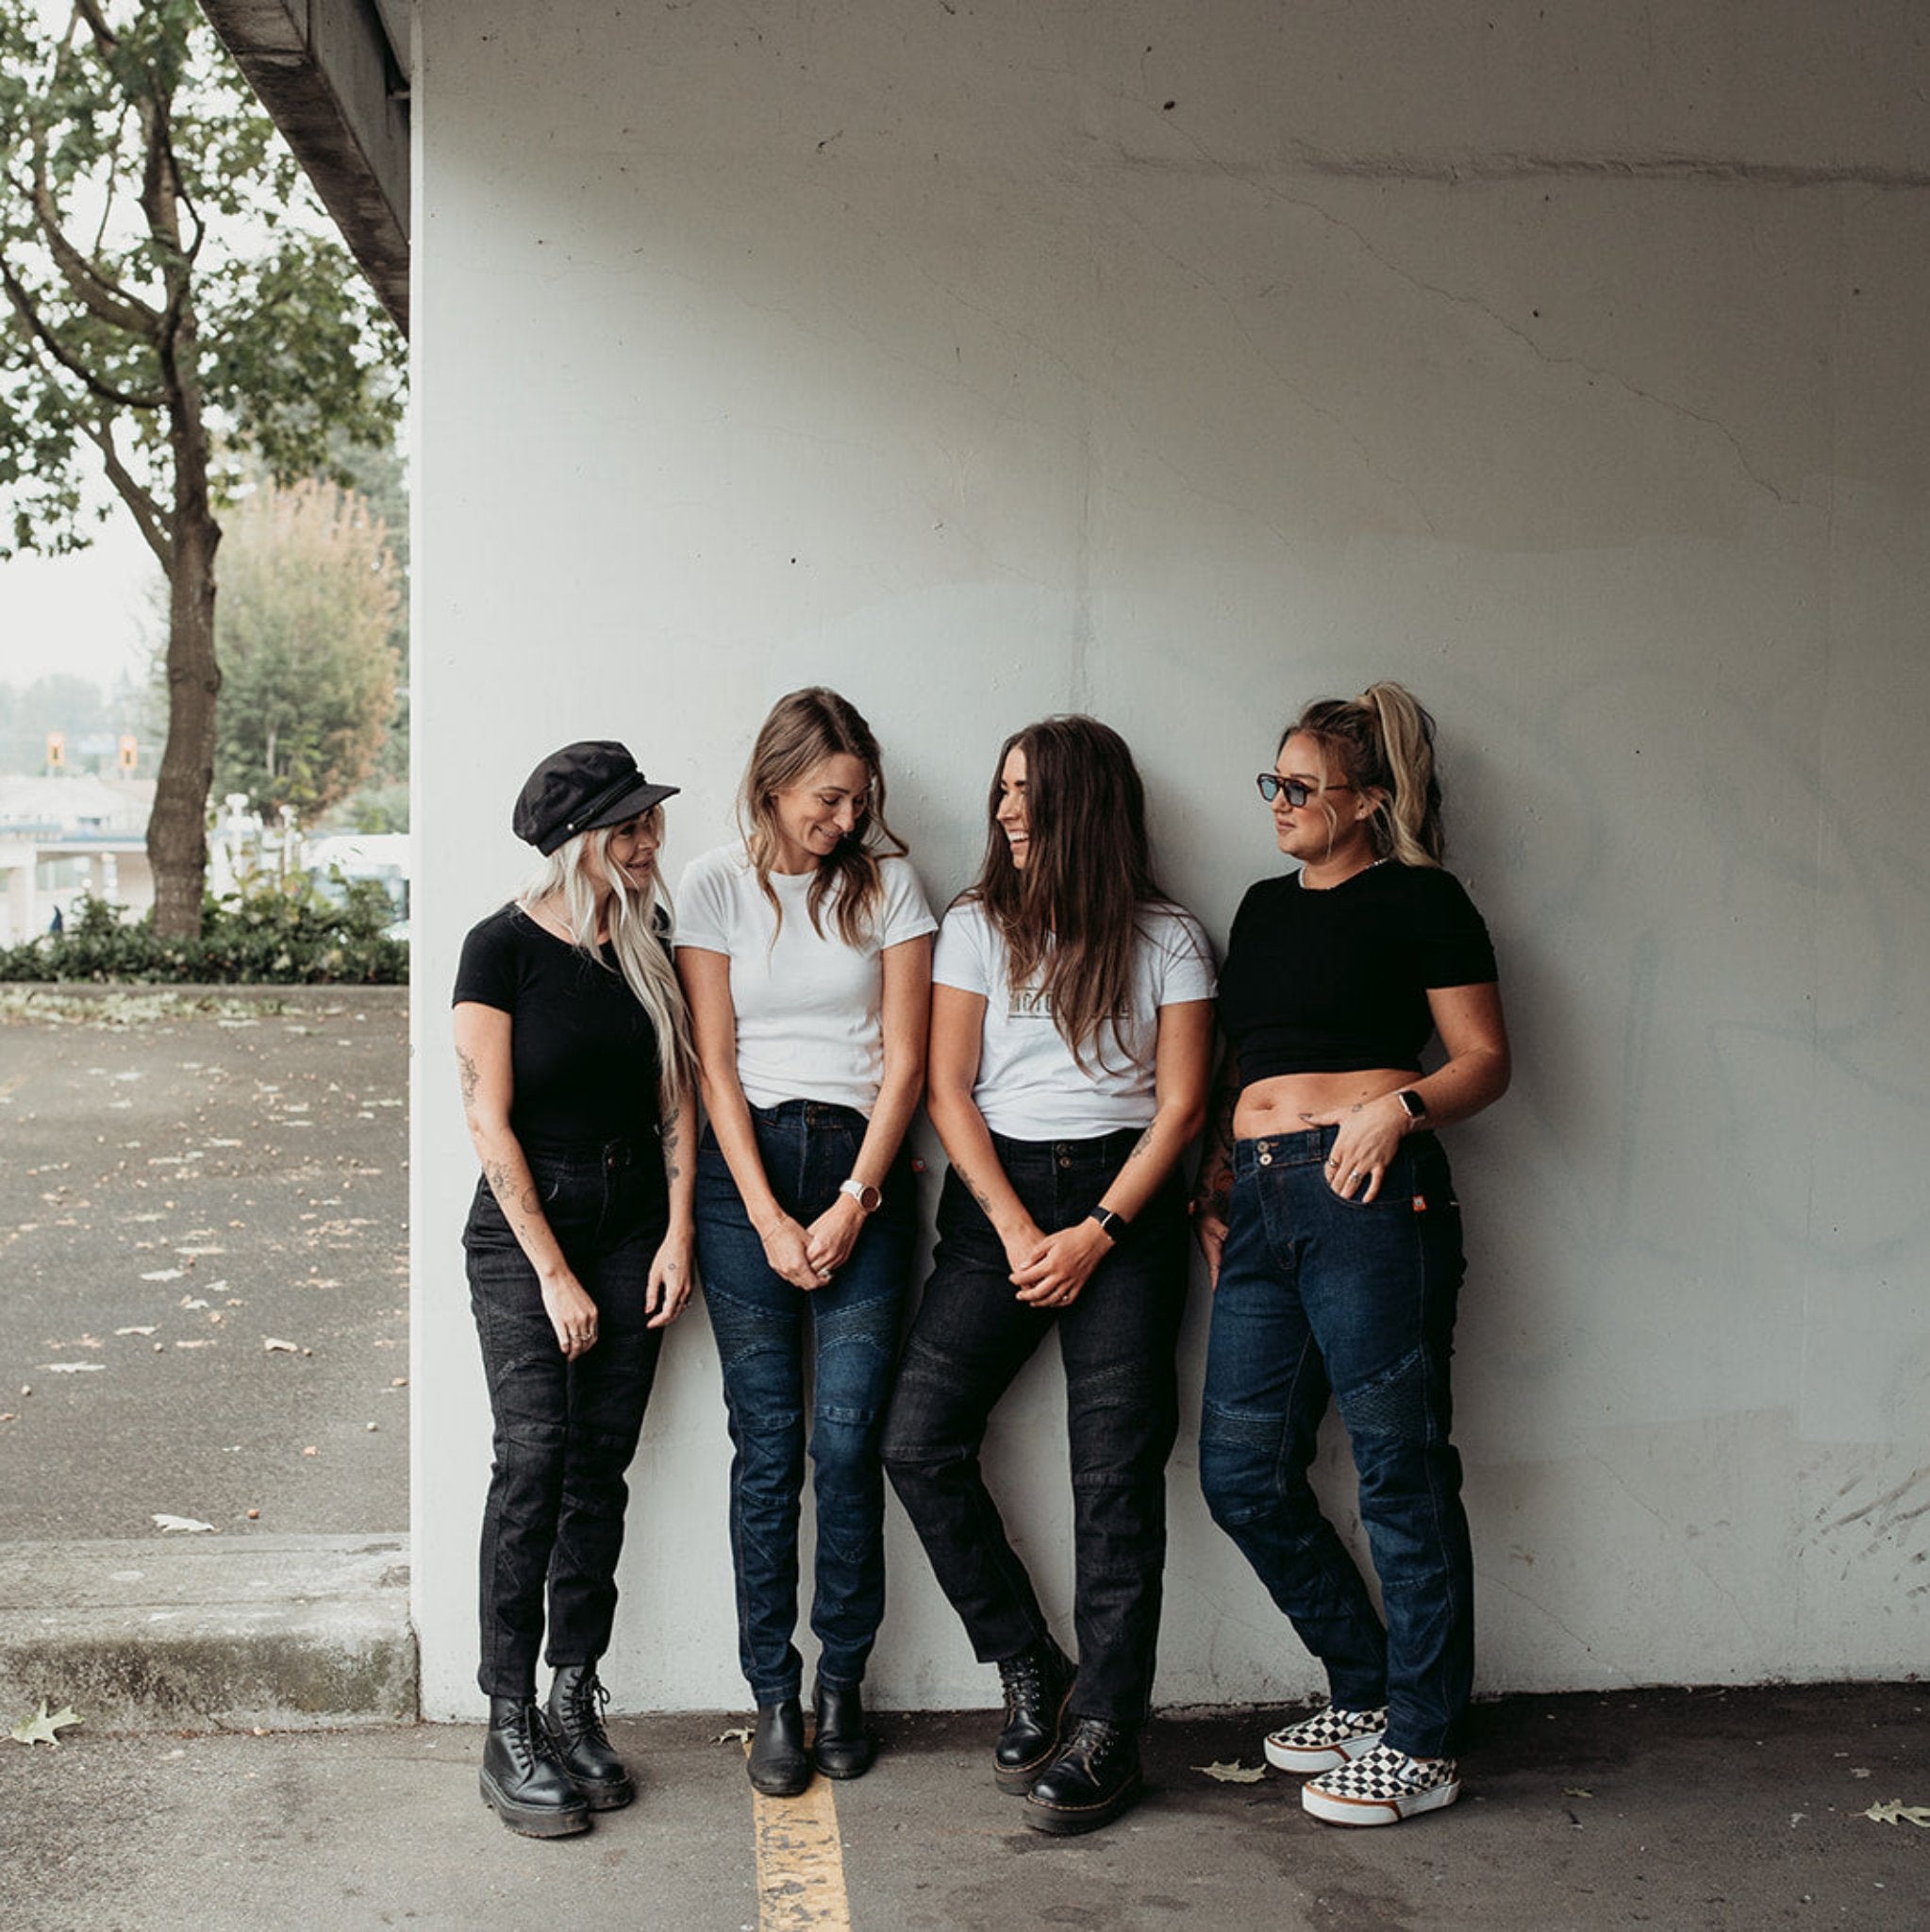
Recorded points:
(805, 952)
(1072, 1027)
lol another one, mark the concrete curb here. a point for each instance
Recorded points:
(210, 1633)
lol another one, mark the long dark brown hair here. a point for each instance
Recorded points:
(1070, 918)
(1383, 740)
(803, 730)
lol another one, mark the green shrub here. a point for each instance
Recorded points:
(282, 934)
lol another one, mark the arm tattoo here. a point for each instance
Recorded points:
(470, 1077)
(1141, 1145)
(670, 1152)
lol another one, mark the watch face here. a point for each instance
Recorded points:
(1416, 1107)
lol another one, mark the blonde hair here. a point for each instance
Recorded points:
(1383, 740)
(639, 920)
(804, 729)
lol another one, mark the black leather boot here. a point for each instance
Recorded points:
(1037, 1683)
(778, 1765)
(523, 1779)
(574, 1714)
(842, 1746)
(1095, 1778)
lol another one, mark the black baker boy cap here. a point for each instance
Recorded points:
(583, 787)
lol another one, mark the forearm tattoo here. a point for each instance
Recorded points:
(670, 1152)
(467, 1073)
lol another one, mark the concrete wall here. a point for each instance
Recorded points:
(1180, 363)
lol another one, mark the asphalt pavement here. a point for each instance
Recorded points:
(203, 1229)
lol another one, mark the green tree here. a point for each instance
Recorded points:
(309, 593)
(167, 277)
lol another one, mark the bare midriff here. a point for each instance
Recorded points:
(1277, 1106)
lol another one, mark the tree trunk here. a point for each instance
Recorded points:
(177, 827)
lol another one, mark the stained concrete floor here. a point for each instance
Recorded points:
(1729, 1810)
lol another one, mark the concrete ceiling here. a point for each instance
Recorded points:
(330, 75)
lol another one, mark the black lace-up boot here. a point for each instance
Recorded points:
(523, 1779)
(1037, 1683)
(1095, 1778)
(575, 1721)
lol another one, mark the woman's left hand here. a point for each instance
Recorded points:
(1063, 1265)
(671, 1280)
(1364, 1148)
(831, 1236)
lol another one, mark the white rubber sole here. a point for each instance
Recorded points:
(1332, 1810)
(1326, 1757)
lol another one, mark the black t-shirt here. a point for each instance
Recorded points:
(1336, 981)
(583, 1054)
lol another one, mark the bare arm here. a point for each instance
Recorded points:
(905, 1011)
(483, 1062)
(706, 977)
(1474, 1075)
(957, 1030)
(1213, 1186)
(669, 1270)
(1182, 1058)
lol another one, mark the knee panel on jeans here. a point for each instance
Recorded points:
(1238, 1456)
(1393, 1406)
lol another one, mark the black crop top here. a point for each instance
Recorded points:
(1336, 982)
(582, 1052)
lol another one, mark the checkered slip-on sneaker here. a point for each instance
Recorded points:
(1383, 1788)
(1326, 1741)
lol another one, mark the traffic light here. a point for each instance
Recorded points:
(130, 752)
(56, 750)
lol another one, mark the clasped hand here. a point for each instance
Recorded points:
(1049, 1270)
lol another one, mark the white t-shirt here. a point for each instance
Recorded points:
(1029, 1086)
(809, 1009)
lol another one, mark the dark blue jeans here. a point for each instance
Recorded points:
(565, 1431)
(1116, 1344)
(764, 1328)
(1321, 1295)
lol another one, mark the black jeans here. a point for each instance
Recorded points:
(565, 1431)
(1116, 1344)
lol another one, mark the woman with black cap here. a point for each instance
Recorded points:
(573, 1050)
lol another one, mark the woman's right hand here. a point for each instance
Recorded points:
(1024, 1247)
(572, 1314)
(787, 1248)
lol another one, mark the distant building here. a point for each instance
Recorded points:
(65, 839)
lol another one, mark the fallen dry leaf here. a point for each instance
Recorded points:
(739, 1734)
(72, 1368)
(1231, 1774)
(274, 1345)
(1897, 1812)
(148, 1330)
(42, 1729)
(190, 1525)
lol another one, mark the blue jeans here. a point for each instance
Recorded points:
(764, 1327)
(1116, 1342)
(1321, 1295)
(565, 1431)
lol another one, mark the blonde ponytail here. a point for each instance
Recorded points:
(1383, 740)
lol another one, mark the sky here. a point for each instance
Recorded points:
(91, 613)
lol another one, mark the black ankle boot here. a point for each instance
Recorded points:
(575, 1719)
(1037, 1683)
(842, 1746)
(523, 1779)
(1095, 1778)
(778, 1766)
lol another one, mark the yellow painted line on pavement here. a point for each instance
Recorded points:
(800, 1862)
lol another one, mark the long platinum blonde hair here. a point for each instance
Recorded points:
(640, 926)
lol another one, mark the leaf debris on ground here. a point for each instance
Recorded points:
(42, 1729)
(1897, 1812)
(1231, 1774)
(190, 1525)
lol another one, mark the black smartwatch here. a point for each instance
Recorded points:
(1412, 1105)
(1112, 1226)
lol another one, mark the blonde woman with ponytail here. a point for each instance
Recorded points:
(1328, 1218)
(579, 1085)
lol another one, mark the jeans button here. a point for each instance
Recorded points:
(1265, 1158)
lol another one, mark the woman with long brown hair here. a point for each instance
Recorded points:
(1328, 1216)
(805, 953)
(1070, 1040)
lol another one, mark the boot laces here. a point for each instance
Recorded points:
(584, 1703)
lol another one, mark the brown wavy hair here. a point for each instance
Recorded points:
(1383, 740)
(803, 730)
(1070, 918)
